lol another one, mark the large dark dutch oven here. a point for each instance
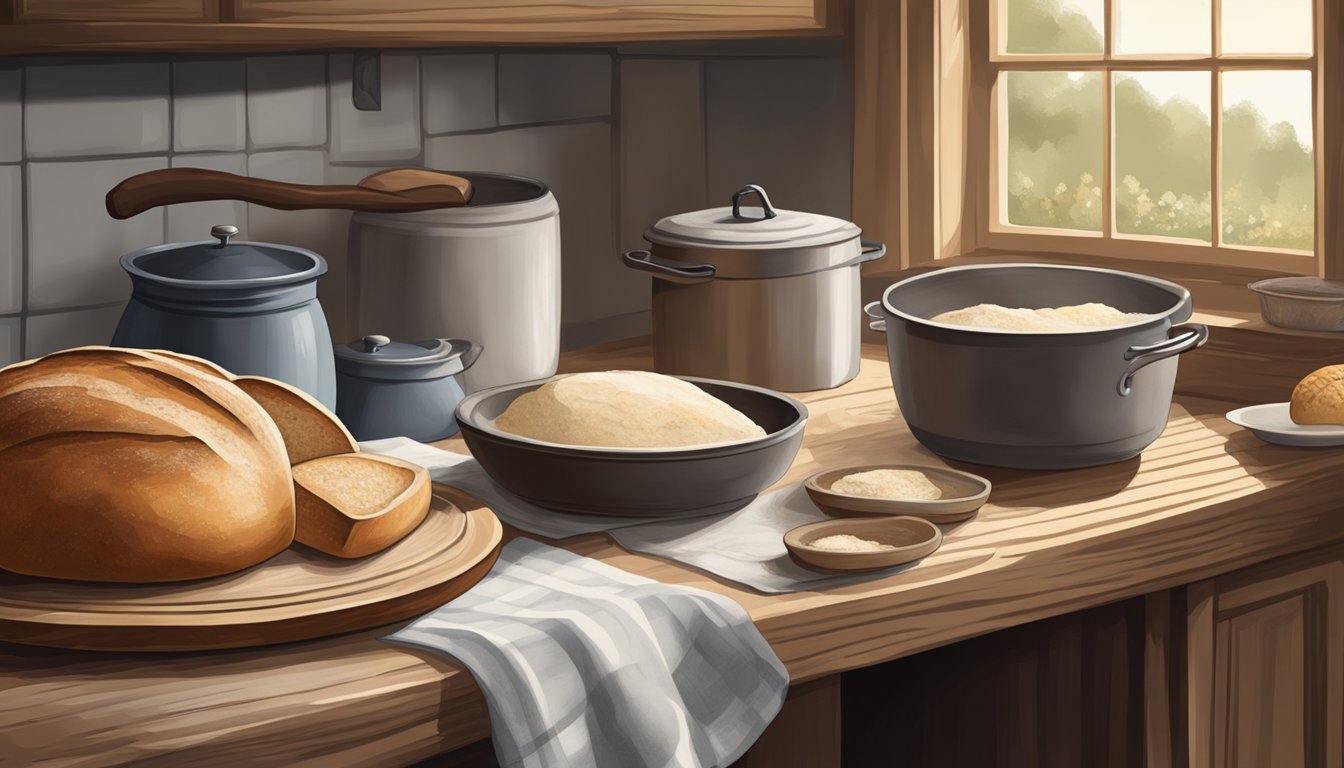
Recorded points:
(1035, 400)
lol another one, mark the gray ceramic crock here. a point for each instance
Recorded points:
(391, 389)
(1035, 400)
(250, 307)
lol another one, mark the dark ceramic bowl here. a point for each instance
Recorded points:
(638, 482)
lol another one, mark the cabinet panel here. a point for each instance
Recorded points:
(1266, 666)
(120, 10)
(523, 13)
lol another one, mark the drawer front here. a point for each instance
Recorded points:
(120, 10)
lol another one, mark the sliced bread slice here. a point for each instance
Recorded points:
(354, 505)
(309, 429)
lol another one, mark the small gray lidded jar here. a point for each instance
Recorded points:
(393, 389)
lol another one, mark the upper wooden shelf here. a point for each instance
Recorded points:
(77, 26)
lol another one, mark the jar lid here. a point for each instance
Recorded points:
(751, 227)
(220, 263)
(378, 357)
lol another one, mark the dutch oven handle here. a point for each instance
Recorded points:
(676, 273)
(1186, 337)
(873, 309)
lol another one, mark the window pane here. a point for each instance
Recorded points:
(1269, 180)
(1257, 26)
(1054, 149)
(1055, 26)
(1162, 154)
(1163, 26)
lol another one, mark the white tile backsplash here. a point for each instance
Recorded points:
(784, 124)
(11, 239)
(62, 330)
(209, 106)
(541, 87)
(75, 246)
(11, 115)
(286, 101)
(662, 143)
(389, 133)
(459, 92)
(11, 340)
(575, 161)
(192, 221)
(322, 231)
(96, 109)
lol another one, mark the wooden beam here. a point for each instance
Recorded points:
(876, 50)
(1330, 137)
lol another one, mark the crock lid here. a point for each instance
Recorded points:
(750, 227)
(379, 357)
(221, 263)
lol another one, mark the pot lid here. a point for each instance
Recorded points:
(1311, 288)
(221, 263)
(750, 227)
(378, 357)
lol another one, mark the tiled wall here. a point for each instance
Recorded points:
(623, 136)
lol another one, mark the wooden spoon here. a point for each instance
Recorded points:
(395, 190)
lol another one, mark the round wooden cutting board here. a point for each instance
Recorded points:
(297, 595)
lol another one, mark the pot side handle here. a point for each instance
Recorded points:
(676, 273)
(1183, 338)
(873, 309)
(872, 250)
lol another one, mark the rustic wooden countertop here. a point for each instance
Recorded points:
(1206, 498)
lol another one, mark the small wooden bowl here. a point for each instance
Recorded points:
(913, 538)
(963, 494)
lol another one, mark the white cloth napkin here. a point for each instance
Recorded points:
(745, 546)
(583, 664)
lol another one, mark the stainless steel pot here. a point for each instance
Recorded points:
(488, 271)
(390, 389)
(250, 307)
(756, 295)
(1035, 400)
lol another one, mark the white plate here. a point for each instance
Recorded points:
(1271, 423)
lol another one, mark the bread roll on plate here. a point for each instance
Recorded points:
(131, 466)
(1319, 398)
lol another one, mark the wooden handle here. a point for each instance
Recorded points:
(189, 185)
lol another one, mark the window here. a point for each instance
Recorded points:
(1183, 130)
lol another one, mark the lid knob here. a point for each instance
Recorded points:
(223, 232)
(767, 212)
(375, 342)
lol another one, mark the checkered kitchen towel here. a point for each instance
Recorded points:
(583, 664)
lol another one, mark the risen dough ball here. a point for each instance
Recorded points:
(625, 409)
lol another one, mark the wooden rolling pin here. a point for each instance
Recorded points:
(396, 190)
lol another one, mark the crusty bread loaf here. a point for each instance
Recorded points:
(354, 505)
(625, 409)
(310, 431)
(1319, 398)
(122, 465)
(191, 361)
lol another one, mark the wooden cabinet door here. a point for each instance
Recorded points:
(1266, 665)
(115, 10)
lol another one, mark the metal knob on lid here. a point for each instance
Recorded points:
(223, 232)
(375, 342)
(767, 211)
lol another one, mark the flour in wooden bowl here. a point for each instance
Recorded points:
(845, 542)
(1075, 317)
(625, 409)
(888, 484)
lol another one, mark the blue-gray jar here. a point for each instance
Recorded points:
(393, 389)
(250, 307)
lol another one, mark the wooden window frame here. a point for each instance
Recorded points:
(924, 113)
